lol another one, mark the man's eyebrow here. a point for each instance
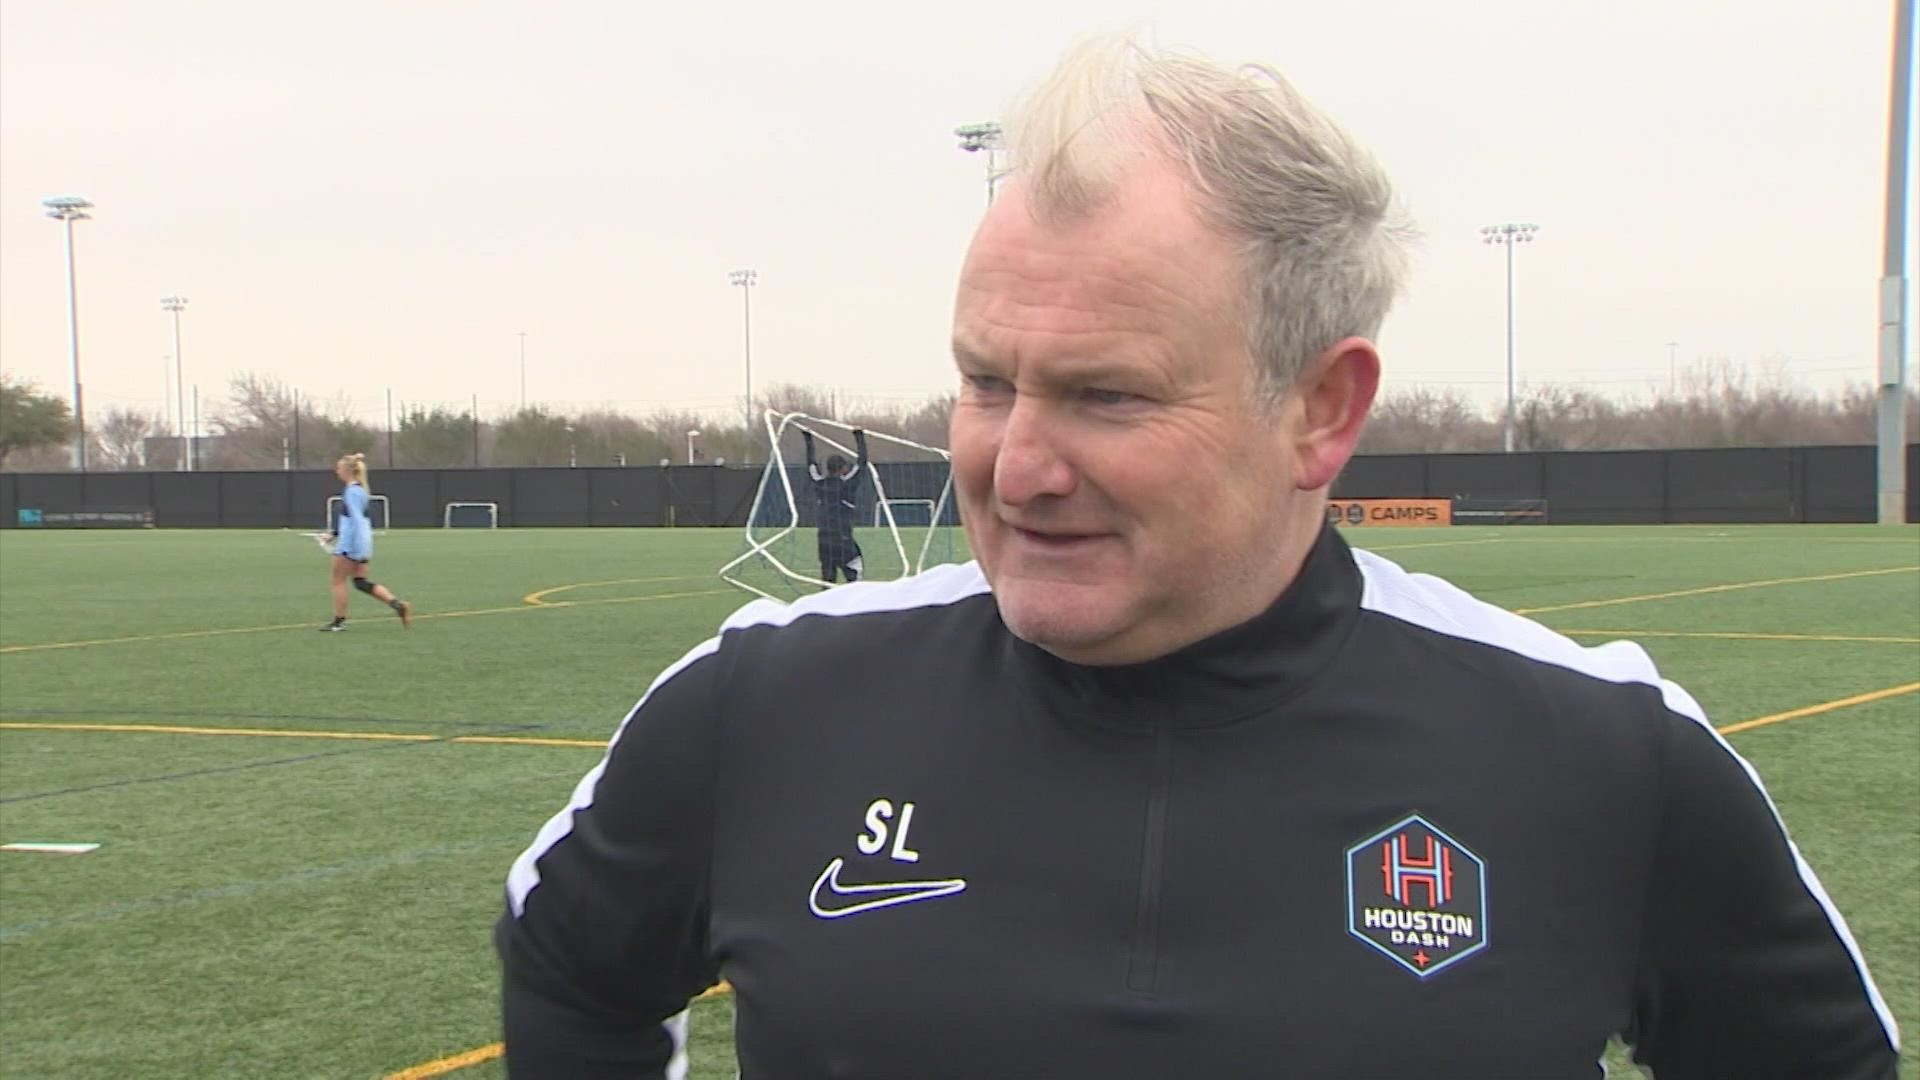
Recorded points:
(966, 356)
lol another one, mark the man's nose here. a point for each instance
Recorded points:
(1030, 463)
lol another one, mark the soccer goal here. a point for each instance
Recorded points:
(906, 491)
(377, 513)
(471, 515)
(913, 513)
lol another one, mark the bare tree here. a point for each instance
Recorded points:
(792, 397)
(611, 438)
(1565, 418)
(119, 442)
(670, 429)
(256, 425)
(1422, 420)
(265, 422)
(927, 423)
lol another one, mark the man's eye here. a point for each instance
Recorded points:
(988, 384)
(1109, 397)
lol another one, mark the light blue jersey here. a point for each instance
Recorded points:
(354, 539)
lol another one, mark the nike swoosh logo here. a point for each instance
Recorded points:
(872, 897)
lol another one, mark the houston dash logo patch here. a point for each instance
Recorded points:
(1417, 895)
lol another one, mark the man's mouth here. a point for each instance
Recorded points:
(1053, 540)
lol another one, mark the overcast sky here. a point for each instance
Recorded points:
(359, 196)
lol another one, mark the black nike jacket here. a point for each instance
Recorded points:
(1381, 831)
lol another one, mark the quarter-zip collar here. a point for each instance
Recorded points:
(1221, 678)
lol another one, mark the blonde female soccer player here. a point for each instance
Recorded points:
(352, 541)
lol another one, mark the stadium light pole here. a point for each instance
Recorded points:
(691, 435)
(990, 138)
(1891, 469)
(746, 279)
(69, 209)
(176, 304)
(1507, 235)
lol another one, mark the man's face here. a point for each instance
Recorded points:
(1121, 485)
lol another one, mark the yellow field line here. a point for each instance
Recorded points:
(150, 637)
(1704, 590)
(531, 604)
(539, 598)
(516, 740)
(482, 1054)
(442, 1066)
(558, 604)
(596, 744)
(1735, 635)
(176, 635)
(478, 1055)
(376, 736)
(1438, 543)
(175, 729)
(1815, 710)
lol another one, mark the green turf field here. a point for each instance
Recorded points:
(304, 835)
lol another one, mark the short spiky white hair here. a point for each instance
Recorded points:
(1324, 243)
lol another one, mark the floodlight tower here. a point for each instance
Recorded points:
(988, 137)
(1890, 468)
(69, 209)
(1507, 235)
(176, 304)
(746, 279)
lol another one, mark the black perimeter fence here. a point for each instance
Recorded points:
(1786, 484)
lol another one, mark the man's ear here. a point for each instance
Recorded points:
(1332, 397)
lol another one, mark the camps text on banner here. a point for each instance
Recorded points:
(1401, 513)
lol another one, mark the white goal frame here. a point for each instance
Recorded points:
(883, 511)
(493, 514)
(776, 426)
(378, 512)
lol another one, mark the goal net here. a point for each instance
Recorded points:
(471, 515)
(904, 513)
(376, 513)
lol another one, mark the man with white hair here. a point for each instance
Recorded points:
(1171, 782)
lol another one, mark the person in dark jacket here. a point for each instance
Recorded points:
(1171, 782)
(836, 493)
